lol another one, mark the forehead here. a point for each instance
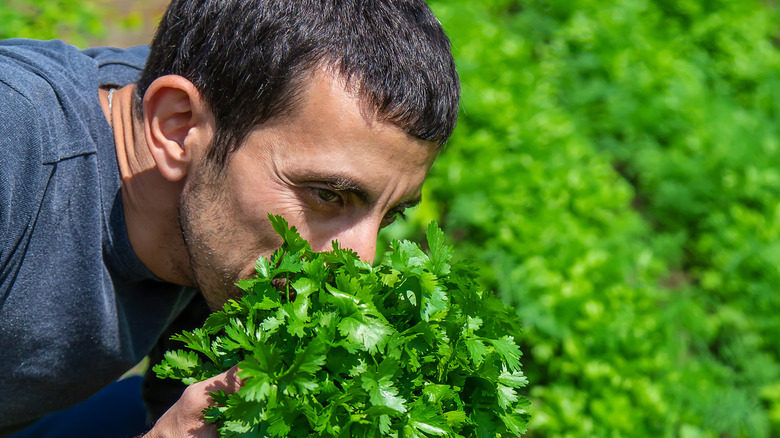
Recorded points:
(331, 134)
(330, 119)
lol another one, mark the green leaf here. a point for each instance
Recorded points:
(515, 379)
(408, 258)
(441, 254)
(178, 364)
(506, 396)
(215, 322)
(239, 335)
(434, 299)
(477, 350)
(292, 241)
(244, 411)
(517, 424)
(455, 419)
(383, 392)
(437, 393)
(263, 269)
(509, 351)
(259, 387)
(198, 340)
(358, 323)
(426, 420)
(300, 378)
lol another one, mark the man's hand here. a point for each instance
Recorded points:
(185, 418)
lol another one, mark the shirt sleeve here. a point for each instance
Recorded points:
(21, 171)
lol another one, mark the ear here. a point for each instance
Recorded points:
(178, 126)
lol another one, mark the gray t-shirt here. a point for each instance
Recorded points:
(77, 307)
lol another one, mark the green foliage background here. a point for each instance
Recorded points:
(615, 175)
(75, 21)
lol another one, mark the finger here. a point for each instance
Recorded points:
(228, 381)
(232, 380)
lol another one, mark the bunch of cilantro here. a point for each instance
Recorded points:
(329, 346)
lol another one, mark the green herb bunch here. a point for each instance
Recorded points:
(329, 346)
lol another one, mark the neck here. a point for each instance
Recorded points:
(150, 202)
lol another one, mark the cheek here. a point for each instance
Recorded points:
(255, 191)
(249, 201)
(251, 208)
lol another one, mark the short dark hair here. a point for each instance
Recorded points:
(249, 60)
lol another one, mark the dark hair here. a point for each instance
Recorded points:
(249, 59)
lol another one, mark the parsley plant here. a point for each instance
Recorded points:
(329, 346)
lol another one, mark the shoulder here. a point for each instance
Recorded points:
(26, 63)
(56, 57)
(21, 166)
(118, 67)
(61, 83)
(42, 87)
(20, 129)
(66, 68)
(46, 115)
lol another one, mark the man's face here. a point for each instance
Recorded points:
(331, 170)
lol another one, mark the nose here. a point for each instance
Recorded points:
(359, 236)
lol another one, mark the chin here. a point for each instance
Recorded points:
(218, 291)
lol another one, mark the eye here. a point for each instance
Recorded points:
(391, 216)
(325, 195)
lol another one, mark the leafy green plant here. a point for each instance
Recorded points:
(328, 345)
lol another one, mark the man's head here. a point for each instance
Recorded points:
(250, 58)
(327, 112)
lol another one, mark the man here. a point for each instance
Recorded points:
(116, 190)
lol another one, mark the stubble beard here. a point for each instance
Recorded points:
(203, 228)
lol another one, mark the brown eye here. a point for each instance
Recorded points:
(326, 195)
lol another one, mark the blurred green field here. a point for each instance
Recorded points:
(616, 175)
(119, 23)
